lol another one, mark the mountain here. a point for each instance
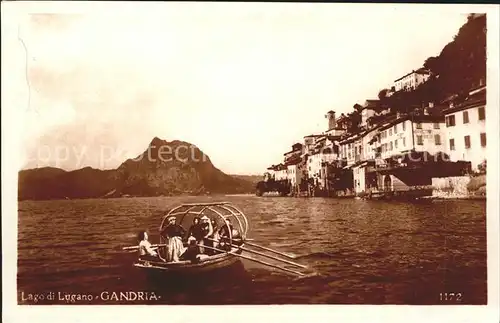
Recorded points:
(164, 168)
(250, 178)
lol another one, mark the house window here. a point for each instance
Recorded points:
(436, 125)
(467, 142)
(483, 139)
(481, 114)
(419, 125)
(437, 140)
(395, 128)
(396, 144)
(420, 140)
(390, 132)
(404, 142)
(391, 146)
(465, 115)
(450, 121)
(404, 126)
(452, 144)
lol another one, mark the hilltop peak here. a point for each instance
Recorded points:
(157, 142)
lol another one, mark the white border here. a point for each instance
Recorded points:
(13, 11)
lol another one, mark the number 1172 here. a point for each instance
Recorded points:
(450, 297)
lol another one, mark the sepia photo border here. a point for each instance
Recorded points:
(12, 115)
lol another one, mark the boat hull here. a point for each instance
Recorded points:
(187, 267)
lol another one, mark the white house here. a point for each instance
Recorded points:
(325, 151)
(351, 149)
(294, 172)
(280, 172)
(369, 109)
(420, 133)
(411, 80)
(466, 129)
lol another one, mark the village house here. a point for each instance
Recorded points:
(465, 129)
(334, 129)
(325, 152)
(351, 149)
(270, 173)
(294, 172)
(368, 110)
(296, 152)
(419, 137)
(411, 80)
(280, 172)
(294, 164)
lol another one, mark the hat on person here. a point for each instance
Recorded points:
(205, 218)
(171, 217)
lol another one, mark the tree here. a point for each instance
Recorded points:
(432, 64)
(382, 94)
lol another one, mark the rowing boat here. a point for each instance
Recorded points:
(214, 257)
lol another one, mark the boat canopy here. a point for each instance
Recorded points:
(217, 211)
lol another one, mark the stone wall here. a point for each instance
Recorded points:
(459, 187)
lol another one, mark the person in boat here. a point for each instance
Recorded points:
(206, 231)
(195, 230)
(192, 251)
(146, 251)
(174, 233)
(226, 239)
(214, 238)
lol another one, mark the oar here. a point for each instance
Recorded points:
(137, 247)
(255, 260)
(270, 250)
(266, 255)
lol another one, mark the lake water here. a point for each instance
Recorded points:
(365, 252)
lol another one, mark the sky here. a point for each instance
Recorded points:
(243, 82)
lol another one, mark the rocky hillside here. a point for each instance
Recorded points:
(164, 168)
(250, 178)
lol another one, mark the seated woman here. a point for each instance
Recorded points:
(214, 238)
(207, 231)
(225, 233)
(146, 252)
(174, 233)
(226, 239)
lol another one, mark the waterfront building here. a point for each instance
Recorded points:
(411, 80)
(466, 129)
(280, 172)
(295, 173)
(408, 150)
(377, 152)
(297, 150)
(351, 148)
(325, 152)
(270, 173)
(412, 132)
